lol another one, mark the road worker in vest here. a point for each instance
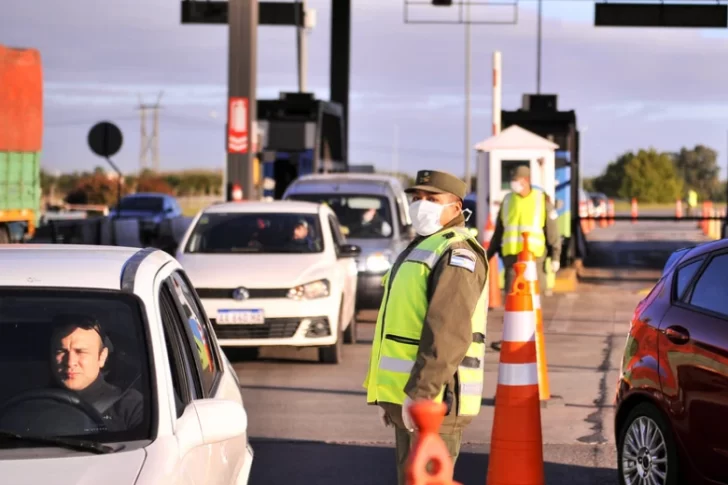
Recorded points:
(429, 341)
(526, 209)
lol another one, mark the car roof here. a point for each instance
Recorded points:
(355, 182)
(703, 248)
(65, 265)
(296, 207)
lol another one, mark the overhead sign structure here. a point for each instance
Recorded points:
(238, 132)
(660, 15)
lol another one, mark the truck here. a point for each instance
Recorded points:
(21, 134)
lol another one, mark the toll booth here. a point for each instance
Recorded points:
(498, 156)
(539, 114)
(301, 135)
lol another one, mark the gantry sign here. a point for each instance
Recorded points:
(690, 15)
(243, 17)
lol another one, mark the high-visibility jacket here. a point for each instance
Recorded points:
(400, 321)
(692, 198)
(524, 214)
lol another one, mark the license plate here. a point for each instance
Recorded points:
(240, 317)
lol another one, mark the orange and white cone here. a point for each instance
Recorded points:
(516, 451)
(531, 275)
(494, 295)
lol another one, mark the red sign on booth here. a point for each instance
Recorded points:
(238, 125)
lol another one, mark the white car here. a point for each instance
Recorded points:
(274, 273)
(112, 374)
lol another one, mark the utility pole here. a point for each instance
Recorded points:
(149, 143)
(538, 49)
(302, 47)
(467, 100)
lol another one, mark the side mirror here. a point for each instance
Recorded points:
(349, 251)
(220, 419)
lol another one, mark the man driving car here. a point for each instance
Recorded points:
(80, 350)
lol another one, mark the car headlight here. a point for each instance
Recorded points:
(377, 263)
(309, 291)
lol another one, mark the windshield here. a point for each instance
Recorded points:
(221, 233)
(74, 365)
(360, 216)
(145, 204)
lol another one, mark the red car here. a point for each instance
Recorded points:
(672, 396)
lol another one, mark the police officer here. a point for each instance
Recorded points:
(526, 209)
(429, 341)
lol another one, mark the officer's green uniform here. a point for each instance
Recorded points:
(534, 214)
(429, 341)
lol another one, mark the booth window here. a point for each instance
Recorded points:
(507, 167)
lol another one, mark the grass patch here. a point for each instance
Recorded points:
(192, 205)
(624, 206)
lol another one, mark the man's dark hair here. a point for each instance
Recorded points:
(67, 322)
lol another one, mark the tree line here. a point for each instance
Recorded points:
(101, 187)
(653, 176)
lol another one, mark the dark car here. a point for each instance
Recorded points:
(149, 208)
(672, 396)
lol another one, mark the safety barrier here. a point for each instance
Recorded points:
(112, 232)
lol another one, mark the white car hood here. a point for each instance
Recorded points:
(254, 270)
(121, 468)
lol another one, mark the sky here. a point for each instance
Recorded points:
(630, 88)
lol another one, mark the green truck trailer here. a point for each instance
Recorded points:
(21, 134)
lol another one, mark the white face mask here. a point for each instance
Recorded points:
(516, 186)
(425, 216)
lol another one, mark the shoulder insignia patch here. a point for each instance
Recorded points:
(463, 258)
(449, 235)
(553, 215)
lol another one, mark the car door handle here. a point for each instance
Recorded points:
(677, 335)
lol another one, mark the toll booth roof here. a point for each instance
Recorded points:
(516, 138)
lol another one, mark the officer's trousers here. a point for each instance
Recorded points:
(509, 261)
(404, 441)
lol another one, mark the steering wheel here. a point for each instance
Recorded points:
(59, 398)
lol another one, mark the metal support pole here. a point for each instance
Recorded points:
(538, 49)
(242, 70)
(468, 149)
(340, 62)
(302, 50)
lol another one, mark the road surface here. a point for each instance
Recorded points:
(309, 423)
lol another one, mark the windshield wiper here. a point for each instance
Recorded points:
(70, 443)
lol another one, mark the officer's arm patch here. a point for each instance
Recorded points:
(463, 258)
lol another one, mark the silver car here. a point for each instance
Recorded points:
(373, 211)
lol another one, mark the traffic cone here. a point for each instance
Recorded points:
(634, 211)
(531, 275)
(603, 222)
(494, 296)
(610, 205)
(428, 447)
(516, 450)
(678, 209)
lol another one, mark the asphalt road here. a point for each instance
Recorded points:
(309, 422)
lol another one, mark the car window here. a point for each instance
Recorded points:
(684, 276)
(259, 233)
(142, 203)
(709, 291)
(83, 344)
(339, 239)
(198, 333)
(186, 385)
(360, 216)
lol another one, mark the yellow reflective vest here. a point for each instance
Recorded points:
(399, 328)
(524, 214)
